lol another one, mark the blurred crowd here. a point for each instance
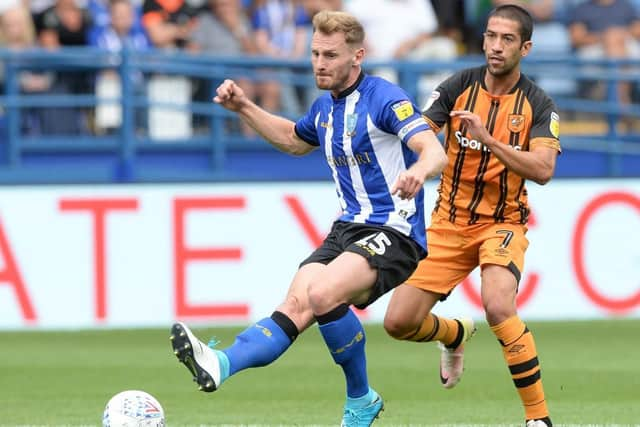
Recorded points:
(396, 29)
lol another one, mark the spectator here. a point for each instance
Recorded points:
(450, 14)
(279, 28)
(100, 12)
(17, 32)
(122, 31)
(415, 39)
(223, 29)
(169, 24)
(475, 16)
(65, 24)
(608, 29)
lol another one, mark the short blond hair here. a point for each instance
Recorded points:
(22, 14)
(329, 22)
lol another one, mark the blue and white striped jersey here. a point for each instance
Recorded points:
(364, 133)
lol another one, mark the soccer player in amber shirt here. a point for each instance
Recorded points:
(501, 129)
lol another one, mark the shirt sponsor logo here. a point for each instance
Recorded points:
(355, 160)
(403, 110)
(474, 144)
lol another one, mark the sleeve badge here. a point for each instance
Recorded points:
(554, 125)
(402, 110)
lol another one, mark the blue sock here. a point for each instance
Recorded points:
(258, 345)
(361, 402)
(344, 335)
(223, 359)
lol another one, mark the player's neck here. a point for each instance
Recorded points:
(501, 85)
(352, 82)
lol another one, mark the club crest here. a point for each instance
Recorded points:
(352, 121)
(516, 123)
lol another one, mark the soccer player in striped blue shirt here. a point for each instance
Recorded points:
(379, 150)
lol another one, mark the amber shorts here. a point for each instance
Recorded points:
(455, 250)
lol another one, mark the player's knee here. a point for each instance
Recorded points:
(397, 326)
(295, 307)
(497, 312)
(321, 297)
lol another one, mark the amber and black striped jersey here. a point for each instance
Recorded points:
(475, 186)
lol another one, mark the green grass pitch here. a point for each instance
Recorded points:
(591, 373)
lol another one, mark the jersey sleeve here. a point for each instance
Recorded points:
(545, 129)
(398, 114)
(305, 127)
(441, 102)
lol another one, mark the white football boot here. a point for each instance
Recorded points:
(452, 360)
(202, 361)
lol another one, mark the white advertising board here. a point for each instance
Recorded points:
(145, 255)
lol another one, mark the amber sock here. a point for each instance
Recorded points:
(519, 350)
(435, 328)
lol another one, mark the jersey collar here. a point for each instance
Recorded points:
(515, 87)
(351, 88)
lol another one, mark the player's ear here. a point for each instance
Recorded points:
(357, 57)
(526, 48)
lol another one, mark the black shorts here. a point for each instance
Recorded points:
(393, 254)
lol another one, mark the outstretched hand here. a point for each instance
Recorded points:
(230, 96)
(407, 185)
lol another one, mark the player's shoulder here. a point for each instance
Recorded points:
(534, 93)
(462, 79)
(379, 87)
(380, 93)
(324, 100)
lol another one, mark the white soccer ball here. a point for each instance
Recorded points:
(133, 408)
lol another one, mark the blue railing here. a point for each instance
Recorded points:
(214, 153)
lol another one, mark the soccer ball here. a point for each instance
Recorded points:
(133, 408)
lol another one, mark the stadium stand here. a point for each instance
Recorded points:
(596, 141)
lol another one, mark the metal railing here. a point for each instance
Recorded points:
(129, 153)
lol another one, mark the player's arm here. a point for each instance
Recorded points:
(276, 130)
(537, 165)
(431, 161)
